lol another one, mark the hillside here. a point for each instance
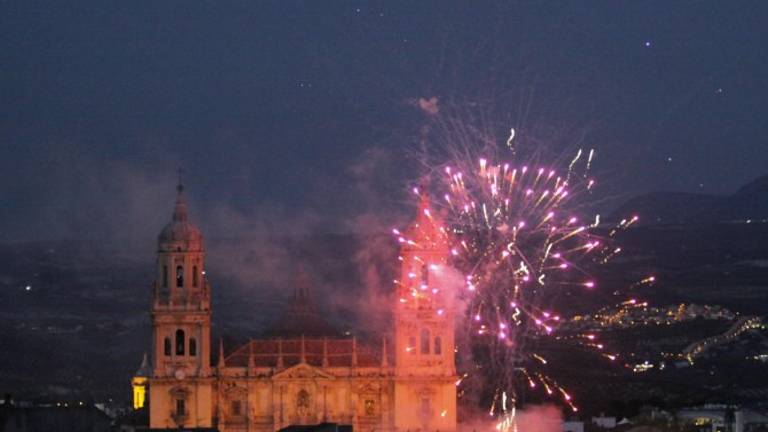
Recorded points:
(749, 203)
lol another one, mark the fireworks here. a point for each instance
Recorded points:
(520, 245)
(517, 234)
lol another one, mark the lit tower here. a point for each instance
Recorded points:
(180, 388)
(139, 384)
(425, 390)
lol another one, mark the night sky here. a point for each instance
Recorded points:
(279, 109)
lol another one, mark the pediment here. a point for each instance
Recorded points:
(234, 390)
(302, 371)
(179, 392)
(368, 388)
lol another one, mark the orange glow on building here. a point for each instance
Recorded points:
(306, 372)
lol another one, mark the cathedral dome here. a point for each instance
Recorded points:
(301, 317)
(180, 234)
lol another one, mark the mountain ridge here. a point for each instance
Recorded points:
(749, 203)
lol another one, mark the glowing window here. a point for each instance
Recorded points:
(370, 407)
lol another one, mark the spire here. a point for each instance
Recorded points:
(423, 191)
(427, 229)
(221, 353)
(180, 234)
(423, 202)
(180, 210)
(303, 351)
(384, 362)
(424, 217)
(144, 369)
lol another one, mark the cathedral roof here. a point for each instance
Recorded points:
(301, 335)
(180, 234)
(337, 352)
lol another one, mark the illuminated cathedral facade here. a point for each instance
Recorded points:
(303, 373)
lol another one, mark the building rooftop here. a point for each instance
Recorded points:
(323, 352)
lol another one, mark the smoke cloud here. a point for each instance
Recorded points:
(533, 418)
(429, 106)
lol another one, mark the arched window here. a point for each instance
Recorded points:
(412, 344)
(179, 342)
(194, 276)
(167, 346)
(192, 347)
(438, 345)
(180, 408)
(424, 341)
(179, 276)
(165, 276)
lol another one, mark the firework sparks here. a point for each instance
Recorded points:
(509, 140)
(518, 234)
(514, 233)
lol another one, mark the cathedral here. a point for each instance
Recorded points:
(303, 372)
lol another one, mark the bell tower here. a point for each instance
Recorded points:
(181, 323)
(425, 390)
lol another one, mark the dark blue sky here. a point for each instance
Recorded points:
(288, 106)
